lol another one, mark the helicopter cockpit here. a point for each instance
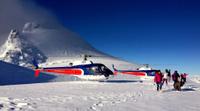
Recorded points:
(99, 69)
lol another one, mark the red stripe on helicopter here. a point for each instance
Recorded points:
(37, 72)
(65, 71)
(77, 72)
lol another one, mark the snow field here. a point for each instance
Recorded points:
(113, 95)
(10, 104)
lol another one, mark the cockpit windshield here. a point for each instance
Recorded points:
(99, 70)
(94, 70)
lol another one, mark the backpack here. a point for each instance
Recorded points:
(174, 77)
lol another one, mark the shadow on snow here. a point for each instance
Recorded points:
(182, 90)
(11, 75)
(121, 81)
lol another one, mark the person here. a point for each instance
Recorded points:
(165, 77)
(176, 79)
(158, 80)
(169, 75)
(183, 79)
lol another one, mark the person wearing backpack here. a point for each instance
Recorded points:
(176, 79)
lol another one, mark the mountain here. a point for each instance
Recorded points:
(39, 35)
(19, 51)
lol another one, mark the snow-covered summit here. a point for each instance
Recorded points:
(19, 51)
(57, 42)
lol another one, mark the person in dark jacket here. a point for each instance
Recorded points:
(177, 82)
(158, 80)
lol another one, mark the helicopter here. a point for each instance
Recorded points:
(144, 72)
(86, 70)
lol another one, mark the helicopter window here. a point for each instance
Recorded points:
(151, 73)
(94, 70)
(103, 68)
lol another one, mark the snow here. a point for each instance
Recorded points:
(63, 93)
(195, 78)
(40, 36)
(58, 42)
(12, 74)
(17, 50)
(115, 95)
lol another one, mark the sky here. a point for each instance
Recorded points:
(162, 33)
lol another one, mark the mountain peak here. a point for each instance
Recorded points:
(19, 51)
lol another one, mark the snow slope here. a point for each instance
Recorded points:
(115, 95)
(12, 74)
(54, 42)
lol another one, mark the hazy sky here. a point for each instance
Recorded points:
(15, 13)
(164, 33)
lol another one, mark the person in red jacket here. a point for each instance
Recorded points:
(183, 79)
(158, 80)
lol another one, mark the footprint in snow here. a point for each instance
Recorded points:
(1, 106)
(100, 104)
(11, 104)
(93, 108)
